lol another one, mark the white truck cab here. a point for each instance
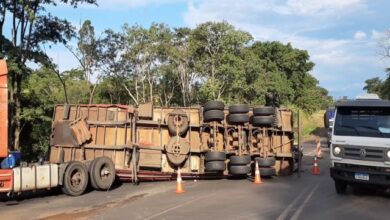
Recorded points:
(360, 148)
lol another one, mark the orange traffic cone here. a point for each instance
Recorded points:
(316, 170)
(179, 183)
(257, 174)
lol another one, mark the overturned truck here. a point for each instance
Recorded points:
(94, 144)
(150, 143)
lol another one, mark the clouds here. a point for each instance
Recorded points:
(323, 7)
(131, 4)
(360, 35)
(338, 34)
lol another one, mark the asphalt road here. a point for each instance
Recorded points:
(288, 197)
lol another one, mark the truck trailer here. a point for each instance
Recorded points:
(93, 144)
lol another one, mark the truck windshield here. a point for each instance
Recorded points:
(363, 121)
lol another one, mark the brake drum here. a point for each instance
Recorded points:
(177, 150)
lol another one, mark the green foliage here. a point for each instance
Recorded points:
(378, 86)
(41, 92)
(32, 28)
(217, 48)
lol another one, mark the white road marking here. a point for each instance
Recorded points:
(286, 211)
(174, 207)
(300, 208)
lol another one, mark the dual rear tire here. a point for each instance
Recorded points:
(215, 161)
(238, 114)
(213, 111)
(239, 165)
(263, 116)
(100, 174)
(266, 166)
(75, 179)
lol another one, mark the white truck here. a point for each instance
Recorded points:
(360, 148)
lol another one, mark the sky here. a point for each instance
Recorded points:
(341, 36)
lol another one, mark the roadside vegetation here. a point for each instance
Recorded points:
(159, 64)
(376, 84)
(313, 125)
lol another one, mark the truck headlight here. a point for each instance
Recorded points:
(337, 151)
(388, 154)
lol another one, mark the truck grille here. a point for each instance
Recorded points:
(363, 153)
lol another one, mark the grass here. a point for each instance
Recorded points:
(312, 124)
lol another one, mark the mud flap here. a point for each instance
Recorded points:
(61, 171)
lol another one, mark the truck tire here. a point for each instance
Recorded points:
(240, 160)
(239, 109)
(267, 171)
(75, 179)
(215, 156)
(326, 120)
(213, 115)
(263, 120)
(238, 118)
(263, 111)
(266, 162)
(91, 179)
(341, 187)
(103, 173)
(213, 105)
(239, 170)
(215, 166)
(178, 123)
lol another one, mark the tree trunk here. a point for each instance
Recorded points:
(63, 85)
(15, 110)
(151, 91)
(92, 93)
(213, 78)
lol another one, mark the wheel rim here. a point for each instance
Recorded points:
(176, 149)
(105, 173)
(76, 179)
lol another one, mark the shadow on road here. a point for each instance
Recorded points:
(13, 199)
(366, 191)
(29, 195)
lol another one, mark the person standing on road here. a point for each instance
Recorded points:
(318, 147)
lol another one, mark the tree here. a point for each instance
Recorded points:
(40, 92)
(383, 88)
(182, 60)
(287, 73)
(376, 85)
(32, 27)
(215, 47)
(373, 85)
(144, 53)
(111, 91)
(88, 54)
(384, 44)
(114, 69)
